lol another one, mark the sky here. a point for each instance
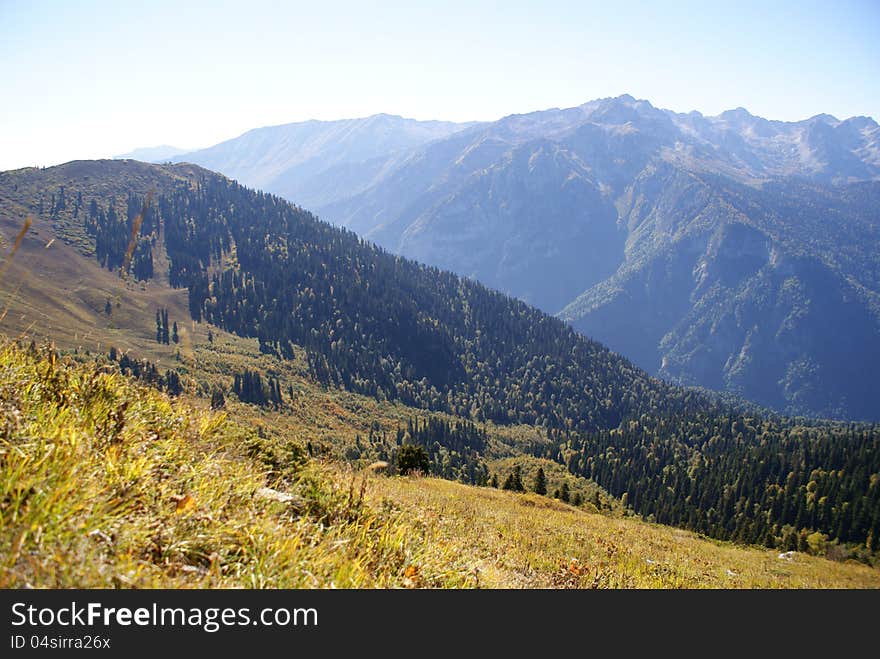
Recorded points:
(96, 79)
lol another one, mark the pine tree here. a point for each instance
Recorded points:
(540, 486)
(174, 335)
(514, 480)
(564, 493)
(172, 383)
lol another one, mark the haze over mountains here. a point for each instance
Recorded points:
(730, 252)
(153, 154)
(316, 162)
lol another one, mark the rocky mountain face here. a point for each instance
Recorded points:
(731, 252)
(768, 293)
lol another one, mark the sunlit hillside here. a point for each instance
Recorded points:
(105, 482)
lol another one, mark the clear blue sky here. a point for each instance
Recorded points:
(94, 79)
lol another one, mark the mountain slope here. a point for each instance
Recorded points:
(363, 320)
(112, 484)
(309, 161)
(633, 206)
(769, 293)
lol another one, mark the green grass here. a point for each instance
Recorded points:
(107, 483)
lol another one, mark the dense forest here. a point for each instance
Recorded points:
(744, 479)
(388, 327)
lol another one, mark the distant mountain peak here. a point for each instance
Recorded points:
(152, 154)
(618, 110)
(861, 122)
(829, 119)
(737, 114)
(624, 99)
(386, 117)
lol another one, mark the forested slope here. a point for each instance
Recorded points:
(388, 327)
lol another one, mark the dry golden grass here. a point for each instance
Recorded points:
(107, 483)
(509, 540)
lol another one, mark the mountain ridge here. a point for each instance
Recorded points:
(277, 158)
(355, 318)
(560, 207)
(620, 159)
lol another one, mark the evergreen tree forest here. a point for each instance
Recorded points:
(250, 387)
(387, 327)
(122, 240)
(148, 372)
(454, 449)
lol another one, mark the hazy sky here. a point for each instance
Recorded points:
(94, 79)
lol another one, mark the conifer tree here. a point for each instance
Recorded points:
(564, 493)
(540, 486)
(413, 458)
(514, 480)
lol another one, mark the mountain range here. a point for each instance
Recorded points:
(128, 259)
(316, 162)
(728, 252)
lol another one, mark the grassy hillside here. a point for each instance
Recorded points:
(53, 290)
(48, 290)
(104, 482)
(107, 483)
(528, 541)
